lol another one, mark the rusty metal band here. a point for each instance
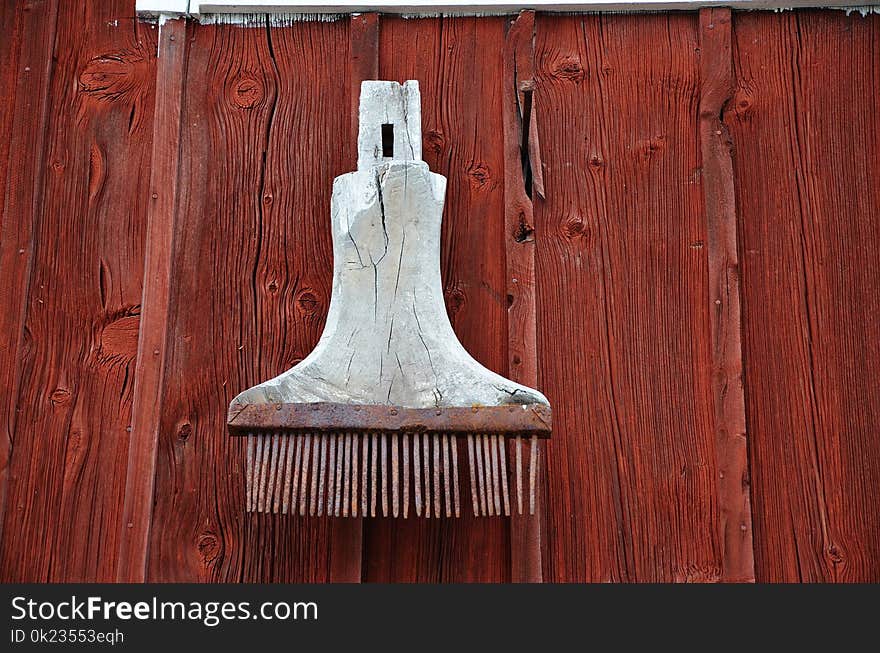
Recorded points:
(516, 420)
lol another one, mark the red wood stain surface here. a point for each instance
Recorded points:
(806, 137)
(81, 275)
(626, 266)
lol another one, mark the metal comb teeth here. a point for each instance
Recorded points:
(389, 474)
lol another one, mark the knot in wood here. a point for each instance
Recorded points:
(455, 298)
(524, 231)
(209, 547)
(307, 302)
(568, 68)
(59, 396)
(573, 227)
(435, 141)
(110, 76)
(184, 431)
(479, 174)
(247, 92)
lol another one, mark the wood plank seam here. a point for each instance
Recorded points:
(734, 502)
(153, 336)
(522, 181)
(347, 535)
(15, 274)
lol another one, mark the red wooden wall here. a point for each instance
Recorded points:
(705, 273)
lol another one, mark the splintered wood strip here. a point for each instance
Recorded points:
(426, 462)
(365, 459)
(340, 451)
(355, 472)
(313, 498)
(472, 473)
(304, 479)
(323, 474)
(501, 447)
(723, 302)
(533, 474)
(453, 445)
(294, 490)
(278, 493)
(417, 469)
(374, 461)
(518, 445)
(395, 475)
(384, 475)
(447, 484)
(496, 481)
(481, 476)
(487, 464)
(331, 477)
(406, 443)
(346, 476)
(249, 472)
(436, 489)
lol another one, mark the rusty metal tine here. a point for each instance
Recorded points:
(417, 469)
(288, 472)
(383, 467)
(322, 468)
(501, 445)
(518, 445)
(487, 464)
(395, 475)
(340, 457)
(355, 464)
(346, 475)
(313, 498)
(472, 473)
(331, 476)
(294, 491)
(279, 473)
(273, 471)
(304, 479)
(447, 476)
(258, 469)
(533, 474)
(374, 460)
(248, 472)
(478, 446)
(406, 443)
(453, 448)
(365, 460)
(426, 462)
(496, 481)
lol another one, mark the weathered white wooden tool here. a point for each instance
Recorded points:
(371, 422)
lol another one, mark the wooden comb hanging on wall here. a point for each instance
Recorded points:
(376, 419)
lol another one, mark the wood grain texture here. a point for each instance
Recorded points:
(149, 378)
(621, 295)
(723, 301)
(519, 116)
(81, 319)
(26, 51)
(806, 134)
(252, 269)
(463, 140)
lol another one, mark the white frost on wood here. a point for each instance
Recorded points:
(388, 339)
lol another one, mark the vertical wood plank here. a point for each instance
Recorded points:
(734, 505)
(152, 340)
(67, 472)
(456, 63)
(804, 124)
(346, 536)
(27, 47)
(621, 274)
(252, 269)
(519, 243)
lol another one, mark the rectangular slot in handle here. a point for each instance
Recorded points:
(388, 141)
